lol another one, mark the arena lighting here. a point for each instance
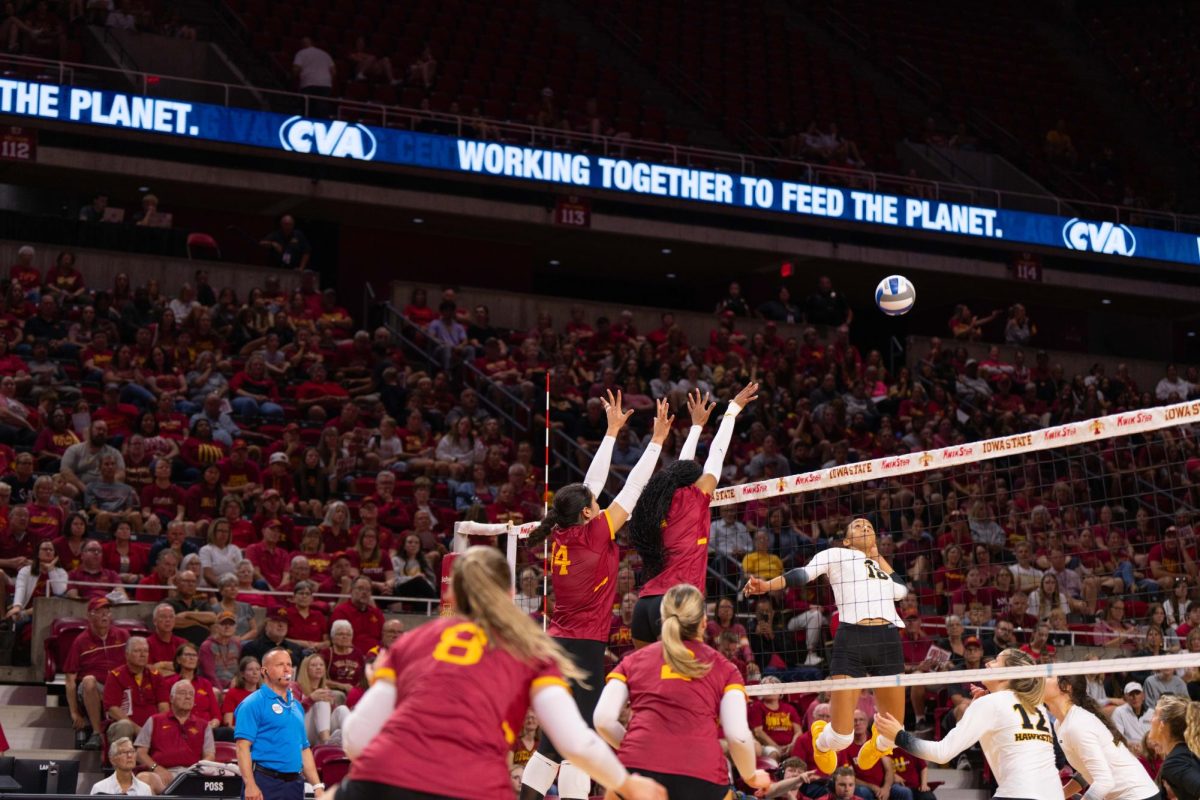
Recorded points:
(329, 138)
(1191, 334)
(666, 251)
(554, 262)
(1104, 301)
(418, 221)
(670, 276)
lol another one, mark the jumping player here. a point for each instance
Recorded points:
(1105, 769)
(583, 571)
(676, 687)
(669, 526)
(447, 700)
(1011, 725)
(867, 642)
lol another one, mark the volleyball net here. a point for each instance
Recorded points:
(1086, 527)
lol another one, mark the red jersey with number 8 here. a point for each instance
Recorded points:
(583, 569)
(685, 543)
(673, 728)
(460, 702)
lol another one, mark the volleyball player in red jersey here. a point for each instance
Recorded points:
(670, 524)
(583, 571)
(448, 698)
(678, 688)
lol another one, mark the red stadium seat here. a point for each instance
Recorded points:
(135, 627)
(58, 643)
(203, 242)
(334, 770)
(226, 753)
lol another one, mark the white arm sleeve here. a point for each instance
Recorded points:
(973, 725)
(638, 477)
(607, 717)
(688, 451)
(737, 732)
(720, 442)
(559, 717)
(24, 587)
(597, 474)
(367, 719)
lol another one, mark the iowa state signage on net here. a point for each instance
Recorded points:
(349, 140)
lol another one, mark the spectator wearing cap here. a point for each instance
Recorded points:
(270, 559)
(131, 691)
(220, 556)
(100, 581)
(274, 634)
(220, 652)
(364, 617)
(173, 741)
(109, 500)
(240, 477)
(277, 481)
(194, 614)
(163, 641)
(123, 756)
(94, 653)
(1133, 718)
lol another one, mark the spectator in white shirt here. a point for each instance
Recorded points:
(728, 536)
(314, 70)
(121, 18)
(1172, 388)
(123, 756)
(1133, 718)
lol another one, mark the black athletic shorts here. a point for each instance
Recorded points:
(647, 619)
(588, 655)
(861, 651)
(370, 790)
(686, 786)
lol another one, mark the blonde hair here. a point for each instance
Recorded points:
(306, 683)
(683, 619)
(1181, 718)
(480, 582)
(1028, 690)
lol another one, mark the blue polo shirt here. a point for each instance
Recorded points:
(274, 726)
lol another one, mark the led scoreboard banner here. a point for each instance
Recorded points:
(355, 141)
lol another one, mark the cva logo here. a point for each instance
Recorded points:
(1099, 237)
(333, 138)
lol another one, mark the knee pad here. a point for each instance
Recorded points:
(539, 773)
(573, 783)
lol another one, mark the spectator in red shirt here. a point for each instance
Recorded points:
(25, 274)
(131, 691)
(240, 476)
(364, 617)
(269, 558)
(166, 564)
(320, 398)
(1039, 647)
(173, 741)
(163, 642)
(307, 626)
(345, 662)
(254, 392)
(204, 497)
(775, 723)
(92, 571)
(120, 417)
(64, 281)
(95, 651)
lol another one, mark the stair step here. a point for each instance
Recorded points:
(22, 695)
(41, 738)
(18, 716)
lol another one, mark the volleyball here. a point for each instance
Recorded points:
(895, 295)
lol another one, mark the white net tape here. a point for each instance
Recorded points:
(1092, 667)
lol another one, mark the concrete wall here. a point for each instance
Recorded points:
(100, 266)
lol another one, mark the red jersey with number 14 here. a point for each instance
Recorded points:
(583, 569)
(673, 728)
(685, 543)
(459, 702)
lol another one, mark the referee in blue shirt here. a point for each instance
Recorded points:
(272, 746)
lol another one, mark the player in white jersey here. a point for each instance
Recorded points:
(867, 642)
(1011, 725)
(1104, 767)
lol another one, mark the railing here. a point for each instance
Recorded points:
(334, 597)
(390, 116)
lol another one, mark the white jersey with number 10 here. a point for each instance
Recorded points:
(1018, 744)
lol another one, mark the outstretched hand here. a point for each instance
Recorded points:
(663, 420)
(700, 407)
(887, 726)
(755, 585)
(616, 416)
(747, 395)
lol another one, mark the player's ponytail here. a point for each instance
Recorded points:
(1182, 720)
(481, 581)
(650, 513)
(565, 511)
(1028, 690)
(682, 618)
(1075, 687)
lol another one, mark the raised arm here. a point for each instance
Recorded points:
(700, 408)
(720, 443)
(973, 725)
(619, 511)
(597, 474)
